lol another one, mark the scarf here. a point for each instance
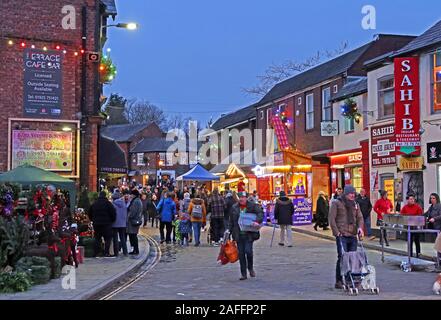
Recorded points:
(350, 207)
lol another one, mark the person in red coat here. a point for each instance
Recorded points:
(413, 209)
(381, 207)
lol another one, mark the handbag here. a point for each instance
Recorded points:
(231, 251)
(222, 259)
(135, 222)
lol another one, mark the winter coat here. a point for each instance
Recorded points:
(151, 208)
(382, 206)
(233, 224)
(167, 209)
(134, 213)
(338, 219)
(121, 214)
(185, 204)
(198, 201)
(102, 212)
(229, 203)
(216, 205)
(365, 205)
(435, 212)
(322, 212)
(283, 211)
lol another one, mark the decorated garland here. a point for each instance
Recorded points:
(350, 110)
(107, 70)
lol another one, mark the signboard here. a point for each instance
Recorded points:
(302, 211)
(411, 164)
(329, 128)
(389, 186)
(407, 106)
(383, 146)
(278, 159)
(50, 150)
(345, 159)
(42, 87)
(434, 152)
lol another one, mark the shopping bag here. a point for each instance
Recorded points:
(246, 222)
(231, 251)
(222, 258)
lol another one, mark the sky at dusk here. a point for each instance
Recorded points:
(195, 57)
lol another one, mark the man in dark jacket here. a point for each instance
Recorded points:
(366, 207)
(216, 205)
(103, 214)
(245, 239)
(230, 201)
(283, 212)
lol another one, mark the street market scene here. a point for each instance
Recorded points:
(141, 160)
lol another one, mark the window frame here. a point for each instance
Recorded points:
(262, 115)
(381, 115)
(326, 105)
(299, 101)
(435, 107)
(138, 157)
(335, 88)
(348, 125)
(309, 113)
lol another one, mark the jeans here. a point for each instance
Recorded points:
(349, 244)
(217, 226)
(184, 239)
(102, 231)
(121, 233)
(169, 227)
(146, 218)
(245, 247)
(134, 242)
(153, 221)
(197, 231)
(288, 229)
(367, 223)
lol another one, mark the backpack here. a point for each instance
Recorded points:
(197, 211)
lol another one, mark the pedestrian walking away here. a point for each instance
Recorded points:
(322, 212)
(283, 213)
(413, 209)
(346, 222)
(167, 212)
(366, 208)
(120, 224)
(134, 220)
(433, 216)
(103, 214)
(239, 226)
(198, 214)
(216, 206)
(145, 213)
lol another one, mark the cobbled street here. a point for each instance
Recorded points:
(305, 271)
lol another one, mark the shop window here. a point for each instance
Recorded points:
(436, 82)
(310, 111)
(386, 97)
(299, 101)
(326, 105)
(349, 124)
(357, 180)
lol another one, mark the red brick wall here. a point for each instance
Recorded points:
(38, 22)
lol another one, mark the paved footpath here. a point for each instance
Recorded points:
(305, 271)
(91, 277)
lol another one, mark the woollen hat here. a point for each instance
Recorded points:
(186, 195)
(282, 194)
(349, 189)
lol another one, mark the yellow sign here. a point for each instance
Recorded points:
(389, 186)
(411, 164)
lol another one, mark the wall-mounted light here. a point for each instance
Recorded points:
(66, 129)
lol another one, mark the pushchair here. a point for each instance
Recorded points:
(357, 273)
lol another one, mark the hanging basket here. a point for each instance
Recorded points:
(350, 110)
(107, 70)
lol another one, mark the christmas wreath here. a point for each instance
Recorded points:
(350, 110)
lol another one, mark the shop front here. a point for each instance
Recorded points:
(235, 178)
(347, 168)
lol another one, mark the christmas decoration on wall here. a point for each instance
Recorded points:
(24, 44)
(107, 70)
(284, 118)
(350, 110)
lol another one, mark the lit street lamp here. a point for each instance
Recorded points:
(128, 26)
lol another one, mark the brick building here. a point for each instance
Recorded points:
(49, 89)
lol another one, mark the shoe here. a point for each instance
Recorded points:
(338, 285)
(387, 244)
(281, 244)
(162, 241)
(315, 228)
(215, 244)
(243, 278)
(197, 244)
(134, 253)
(325, 228)
(252, 274)
(168, 242)
(290, 246)
(371, 238)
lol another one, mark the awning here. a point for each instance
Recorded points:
(111, 158)
(198, 173)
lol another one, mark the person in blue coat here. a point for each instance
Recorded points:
(120, 224)
(167, 211)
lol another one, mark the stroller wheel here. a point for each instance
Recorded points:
(377, 291)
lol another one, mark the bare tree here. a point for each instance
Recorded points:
(141, 111)
(279, 72)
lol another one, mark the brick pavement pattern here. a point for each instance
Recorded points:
(305, 271)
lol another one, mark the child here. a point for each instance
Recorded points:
(184, 227)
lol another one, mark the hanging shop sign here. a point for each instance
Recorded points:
(411, 164)
(49, 150)
(330, 128)
(347, 159)
(42, 87)
(407, 106)
(434, 152)
(302, 211)
(383, 145)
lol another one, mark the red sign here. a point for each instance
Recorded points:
(407, 106)
(349, 158)
(383, 145)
